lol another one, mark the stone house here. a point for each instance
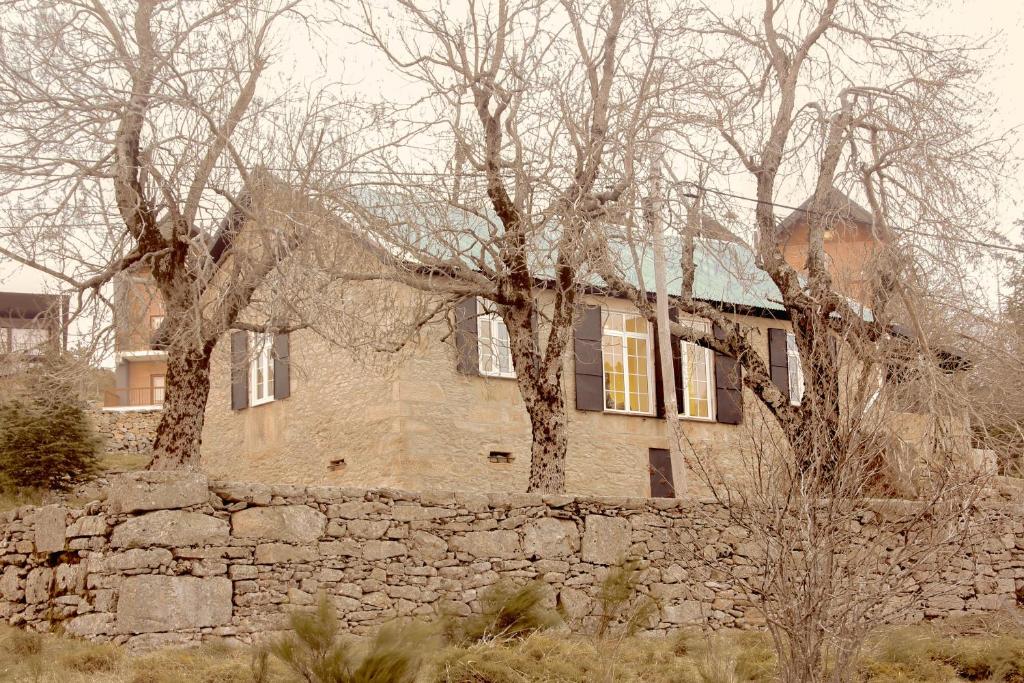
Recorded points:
(447, 413)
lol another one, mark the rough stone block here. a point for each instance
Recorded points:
(292, 523)
(136, 558)
(50, 524)
(686, 612)
(550, 538)
(277, 553)
(488, 544)
(606, 540)
(89, 525)
(87, 625)
(428, 546)
(39, 585)
(154, 490)
(379, 550)
(367, 528)
(576, 603)
(154, 603)
(356, 509)
(174, 528)
(346, 548)
(10, 585)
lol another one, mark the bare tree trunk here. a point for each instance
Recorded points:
(180, 431)
(652, 211)
(550, 443)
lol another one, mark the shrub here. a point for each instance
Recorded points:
(619, 598)
(46, 440)
(314, 651)
(508, 612)
(93, 659)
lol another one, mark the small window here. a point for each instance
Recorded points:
(698, 383)
(796, 370)
(500, 456)
(493, 344)
(261, 370)
(155, 321)
(626, 349)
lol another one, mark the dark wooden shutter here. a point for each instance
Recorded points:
(778, 359)
(728, 386)
(659, 383)
(660, 469)
(467, 353)
(589, 360)
(239, 370)
(282, 367)
(677, 364)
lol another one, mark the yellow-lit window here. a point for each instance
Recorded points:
(626, 347)
(697, 379)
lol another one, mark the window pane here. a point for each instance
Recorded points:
(613, 322)
(635, 323)
(638, 374)
(614, 374)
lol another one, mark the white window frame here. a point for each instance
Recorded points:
(685, 348)
(796, 370)
(263, 359)
(491, 346)
(623, 336)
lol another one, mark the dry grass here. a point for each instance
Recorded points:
(931, 654)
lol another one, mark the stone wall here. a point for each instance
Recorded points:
(168, 557)
(127, 430)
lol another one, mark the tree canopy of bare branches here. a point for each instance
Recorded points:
(134, 137)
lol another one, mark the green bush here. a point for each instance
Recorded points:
(315, 651)
(508, 612)
(46, 441)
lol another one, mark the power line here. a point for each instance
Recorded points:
(446, 174)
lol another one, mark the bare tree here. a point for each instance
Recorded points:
(139, 137)
(807, 96)
(540, 107)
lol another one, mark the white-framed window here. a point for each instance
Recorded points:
(261, 369)
(28, 339)
(796, 370)
(495, 354)
(628, 363)
(698, 380)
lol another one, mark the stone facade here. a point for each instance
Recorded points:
(127, 430)
(412, 421)
(167, 557)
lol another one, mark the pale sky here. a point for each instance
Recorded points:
(1002, 20)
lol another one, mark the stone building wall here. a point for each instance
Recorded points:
(168, 557)
(416, 423)
(126, 430)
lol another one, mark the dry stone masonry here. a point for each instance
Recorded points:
(168, 557)
(129, 431)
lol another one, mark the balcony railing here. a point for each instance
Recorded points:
(133, 397)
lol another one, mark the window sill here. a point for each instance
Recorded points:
(629, 413)
(490, 375)
(689, 418)
(261, 402)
